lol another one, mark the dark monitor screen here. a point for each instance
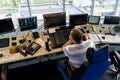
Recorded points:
(6, 25)
(55, 20)
(111, 20)
(93, 19)
(4, 42)
(27, 23)
(78, 19)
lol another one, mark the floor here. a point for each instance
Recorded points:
(40, 71)
(44, 71)
(109, 74)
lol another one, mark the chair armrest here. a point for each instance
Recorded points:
(115, 58)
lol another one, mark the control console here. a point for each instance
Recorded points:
(88, 28)
(104, 29)
(20, 39)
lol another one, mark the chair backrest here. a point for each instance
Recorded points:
(99, 63)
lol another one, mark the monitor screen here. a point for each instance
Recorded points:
(111, 20)
(93, 19)
(55, 20)
(78, 19)
(6, 25)
(27, 23)
(4, 42)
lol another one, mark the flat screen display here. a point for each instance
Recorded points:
(4, 42)
(55, 20)
(93, 19)
(78, 19)
(6, 25)
(111, 20)
(27, 23)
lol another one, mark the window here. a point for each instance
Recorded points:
(40, 7)
(83, 5)
(118, 11)
(104, 7)
(26, 8)
(9, 8)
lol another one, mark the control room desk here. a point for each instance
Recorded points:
(9, 61)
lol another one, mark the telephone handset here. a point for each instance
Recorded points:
(32, 48)
(93, 28)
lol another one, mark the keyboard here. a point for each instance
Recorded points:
(82, 30)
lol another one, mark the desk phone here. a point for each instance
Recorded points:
(32, 48)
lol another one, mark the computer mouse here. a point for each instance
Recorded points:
(103, 37)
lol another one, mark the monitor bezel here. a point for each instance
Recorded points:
(114, 17)
(27, 18)
(72, 15)
(93, 16)
(4, 40)
(12, 27)
(57, 26)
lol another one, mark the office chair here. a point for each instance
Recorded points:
(92, 69)
(115, 60)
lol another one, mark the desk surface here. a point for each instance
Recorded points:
(8, 58)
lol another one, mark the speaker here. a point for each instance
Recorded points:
(35, 35)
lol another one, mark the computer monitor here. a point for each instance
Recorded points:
(6, 25)
(78, 19)
(27, 23)
(93, 19)
(111, 20)
(4, 42)
(54, 20)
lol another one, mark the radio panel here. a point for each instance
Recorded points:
(104, 29)
(7, 42)
(99, 29)
(88, 28)
(16, 40)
